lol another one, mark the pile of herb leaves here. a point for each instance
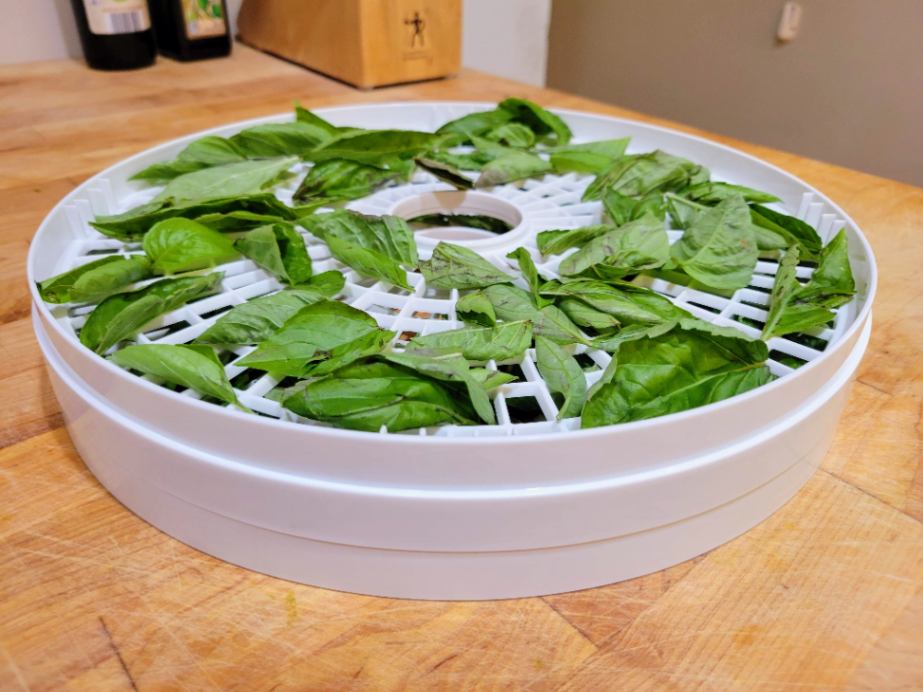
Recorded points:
(579, 289)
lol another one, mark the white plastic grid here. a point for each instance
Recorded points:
(552, 202)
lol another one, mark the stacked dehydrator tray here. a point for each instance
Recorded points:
(454, 512)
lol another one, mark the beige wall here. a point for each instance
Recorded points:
(848, 89)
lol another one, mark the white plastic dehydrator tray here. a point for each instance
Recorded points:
(513, 509)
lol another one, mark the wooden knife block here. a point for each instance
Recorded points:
(367, 43)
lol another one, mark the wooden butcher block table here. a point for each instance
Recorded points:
(826, 593)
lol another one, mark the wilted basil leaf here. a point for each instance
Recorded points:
(195, 367)
(454, 266)
(512, 135)
(445, 171)
(635, 175)
(95, 280)
(368, 262)
(477, 123)
(123, 315)
(386, 235)
(476, 307)
(634, 247)
(303, 115)
(621, 209)
(180, 245)
(340, 179)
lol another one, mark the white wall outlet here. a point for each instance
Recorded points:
(789, 22)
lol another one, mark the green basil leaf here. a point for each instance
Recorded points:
(340, 179)
(627, 303)
(454, 266)
(179, 245)
(542, 122)
(491, 379)
(95, 280)
(675, 371)
(719, 249)
(195, 367)
(369, 344)
(511, 303)
(368, 262)
(134, 223)
(791, 228)
(557, 241)
(506, 341)
(512, 135)
(445, 171)
(583, 315)
(449, 368)
(376, 146)
(279, 139)
(228, 180)
(629, 249)
(636, 175)
(477, 123)
(476, 307)
(783, 290)
(202, 153)
(386, 235)
(512, 166)
(237, 221)
(563, 375)
(590, 157)
(259, 318)
(303, 115)
(398, 398)
(621, 208)
(280, 250)
(530, 273)
(797, 308)
(309, 336)
(468, 161)
(712, 192)
(832, 283)
(123, 315)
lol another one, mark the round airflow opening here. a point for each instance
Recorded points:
(463, 217)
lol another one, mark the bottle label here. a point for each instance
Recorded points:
(204, 18)
(117, 16)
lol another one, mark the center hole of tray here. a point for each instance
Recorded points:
(462, 217)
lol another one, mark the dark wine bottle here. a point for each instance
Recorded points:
(115, 34)
(191, 29)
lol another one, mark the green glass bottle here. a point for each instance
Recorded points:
(191, 29)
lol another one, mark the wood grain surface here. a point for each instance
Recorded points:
(827, 593)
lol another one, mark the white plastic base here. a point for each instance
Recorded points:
(162, 483)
